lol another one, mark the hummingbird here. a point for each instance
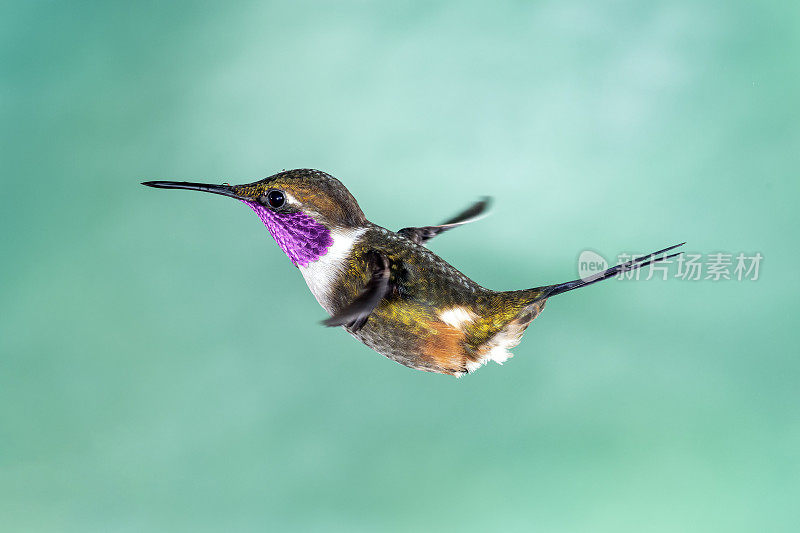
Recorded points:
(386, 288)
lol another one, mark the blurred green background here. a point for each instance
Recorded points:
(162, 365)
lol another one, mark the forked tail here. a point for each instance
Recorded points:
(633, 264)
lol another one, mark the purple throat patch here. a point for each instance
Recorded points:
(300, 237)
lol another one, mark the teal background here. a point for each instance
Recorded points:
(162, 367)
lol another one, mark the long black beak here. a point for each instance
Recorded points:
(224, 190)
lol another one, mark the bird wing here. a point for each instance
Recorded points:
(355, 314)
(423, 234)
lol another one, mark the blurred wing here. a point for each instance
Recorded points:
(423, 234)
(356, 313)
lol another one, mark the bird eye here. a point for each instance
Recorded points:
(276, 198)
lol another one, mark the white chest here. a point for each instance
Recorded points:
(320, 275)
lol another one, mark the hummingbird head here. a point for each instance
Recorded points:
(301, 208)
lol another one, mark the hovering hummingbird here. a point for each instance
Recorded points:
(385, 287)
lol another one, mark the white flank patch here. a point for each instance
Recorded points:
(497, 348)
(472, 366)
(457, 316)
(321, 274)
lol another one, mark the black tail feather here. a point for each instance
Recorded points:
(633, 264)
